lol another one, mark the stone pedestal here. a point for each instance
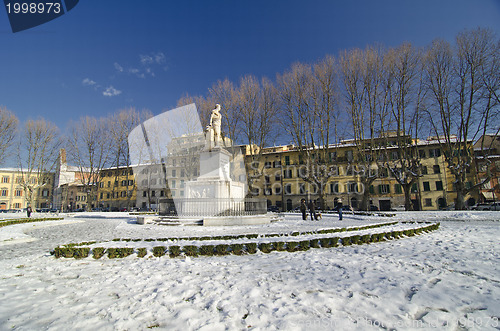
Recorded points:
(213, 193)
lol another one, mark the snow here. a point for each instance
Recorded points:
(447, 279)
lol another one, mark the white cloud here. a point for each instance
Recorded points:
(118, 67)
(146, 59)
(111, 92)
(88, 82)
(147, 65)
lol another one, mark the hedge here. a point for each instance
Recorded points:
(28, 220)
(240, 249)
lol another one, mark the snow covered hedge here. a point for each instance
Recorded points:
(28, 220)
(72, 251)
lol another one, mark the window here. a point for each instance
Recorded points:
(277, 189)
(107, 195)
(268, 191)
(397, 188)
(45, 193)
(436, 152)
(424, 170)
(334, 188)
(101, 195)
(439, 185)
(428, 202)
(288, 188)
(162, 193)
(109, 183)
(302, 188)
(333, 156)
(172, 184)
(182, 183)
(183, 173)
(301, 159)
(427, 186)
(384, 189)
(267, 179)
(174, 173)
(414, 188)
(421, 153)
(123, 194)
(436, 169)
(5, 192)
(349, 156)
(277, 164)
(18, 193)
(287, 160)
(277, 177)
(372, 189)
(287, 173)
(101, 185)
(5, 180)
(153, 193)
(182, 193)
(144, 194)
(17, 205)
(353, 187)
(153, 181)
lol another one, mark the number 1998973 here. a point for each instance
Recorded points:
(33, 8)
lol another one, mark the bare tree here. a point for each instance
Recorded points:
(8, 130)
(120, 125)
(89, 149)
(366, 96)
(463, 103)
(309, 107)
(37, 156)
(405, 92)
(258, 120)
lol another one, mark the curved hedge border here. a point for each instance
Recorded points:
(239, 249)
(247, 236)
(262, 235)
(28, 220)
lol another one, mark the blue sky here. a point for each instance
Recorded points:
(107, 55)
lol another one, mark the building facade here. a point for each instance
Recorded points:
(13, 196)
(281, 180)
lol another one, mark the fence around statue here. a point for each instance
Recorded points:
(196, 207)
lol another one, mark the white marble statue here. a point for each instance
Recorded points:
(213, 135)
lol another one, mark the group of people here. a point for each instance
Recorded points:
(312, 209)
(315, 216)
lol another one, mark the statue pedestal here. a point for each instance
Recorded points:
(213, 193)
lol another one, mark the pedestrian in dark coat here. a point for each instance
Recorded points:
(28, 211)
(303, 209)
(339, 206)
(312, 210)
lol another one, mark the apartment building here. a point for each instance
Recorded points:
(13, 196)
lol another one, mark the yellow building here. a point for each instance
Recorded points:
(116, 189)
(279, 178)
(13, 196)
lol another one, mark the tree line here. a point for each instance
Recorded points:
(447, 90)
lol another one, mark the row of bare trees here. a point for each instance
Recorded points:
(92, 144)
(370, 96)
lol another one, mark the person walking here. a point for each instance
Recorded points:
(28, 211)
(339, 206)
(303, 209)
(312, 210)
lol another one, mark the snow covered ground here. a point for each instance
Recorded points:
(448, 279)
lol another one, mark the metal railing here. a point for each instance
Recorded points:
(212, 207)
